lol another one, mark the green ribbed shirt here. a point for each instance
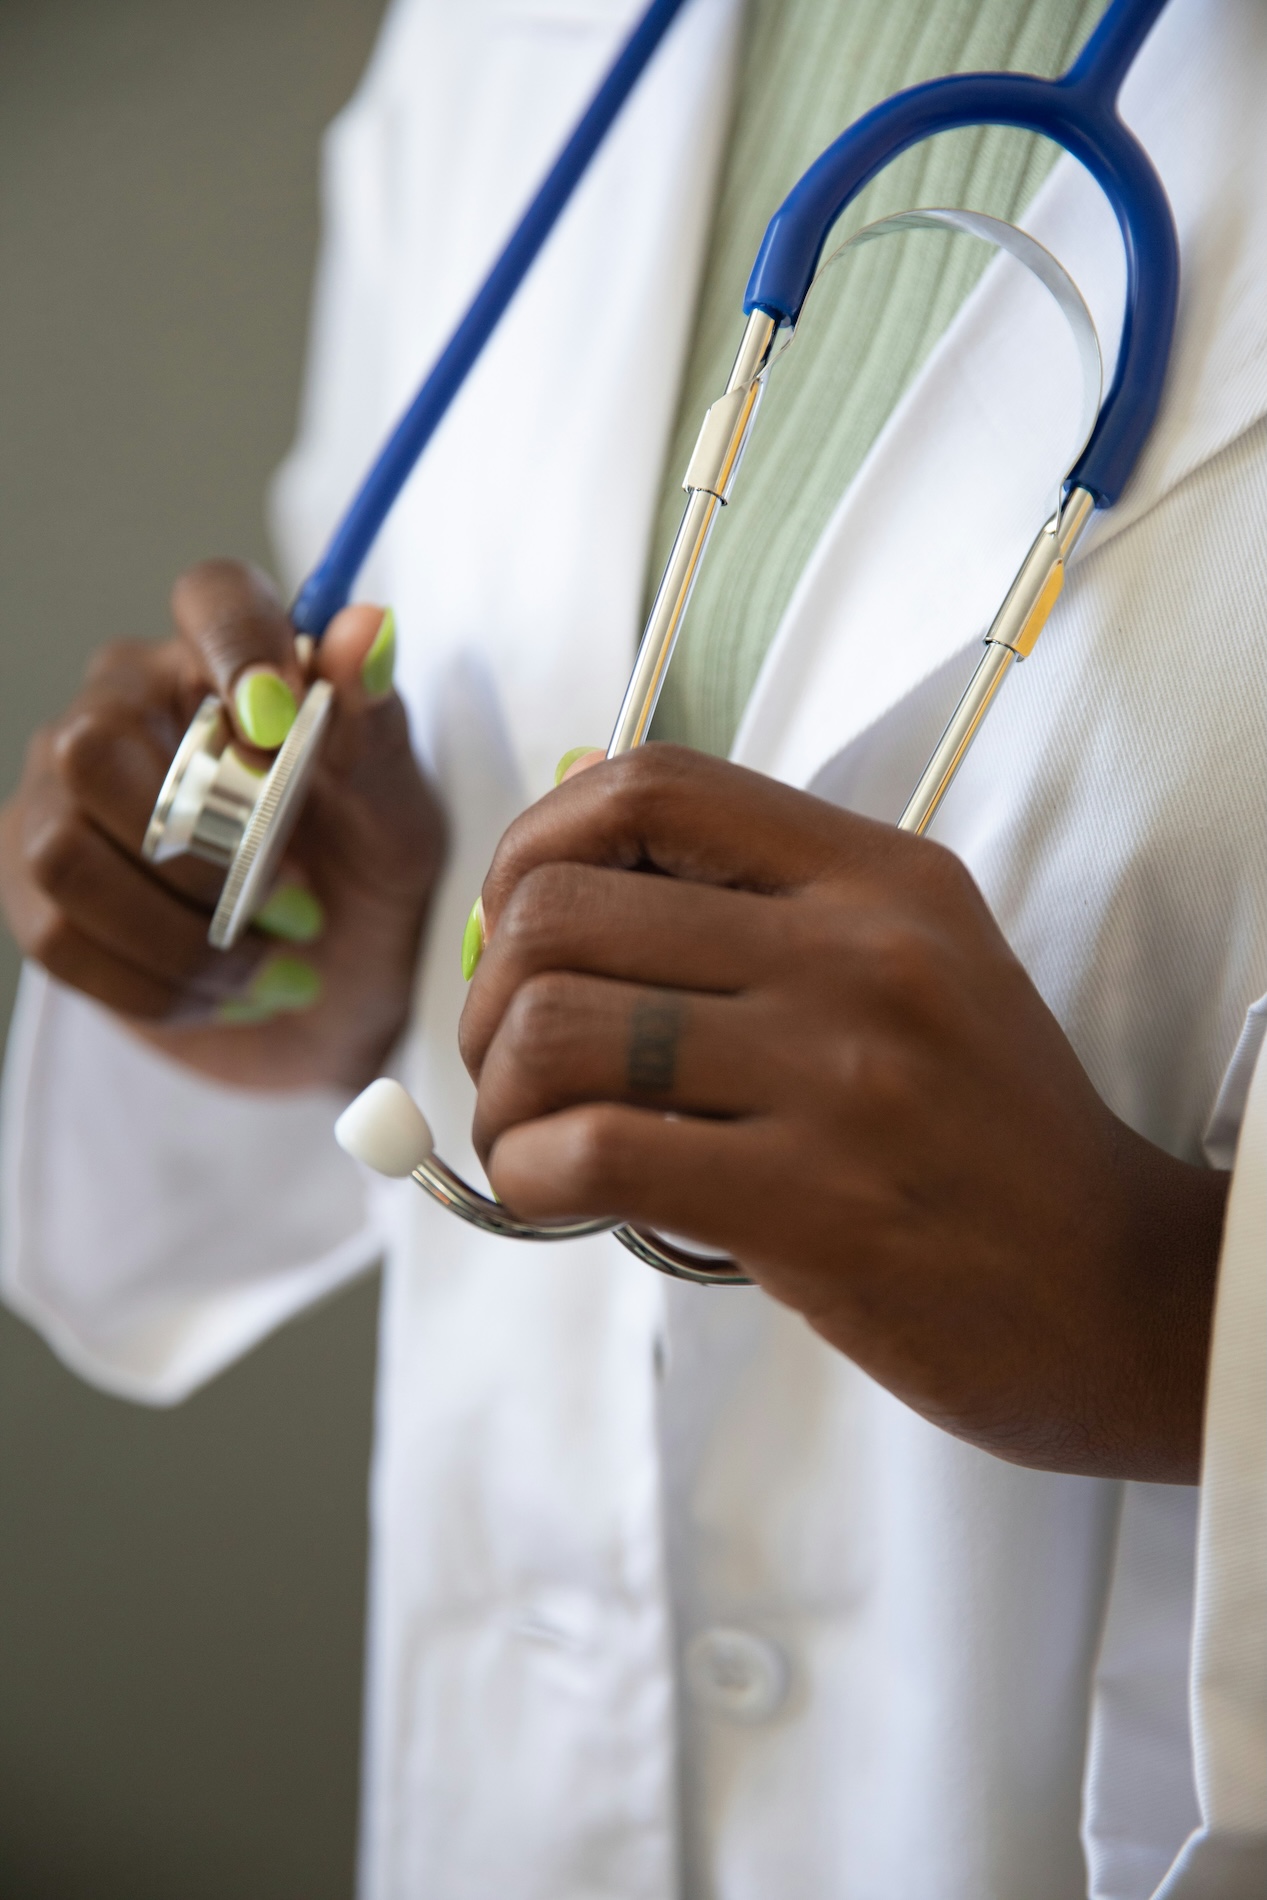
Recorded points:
(807, 70)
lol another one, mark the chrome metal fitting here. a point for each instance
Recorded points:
(215, 806)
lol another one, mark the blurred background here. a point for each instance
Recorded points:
(182, 1592)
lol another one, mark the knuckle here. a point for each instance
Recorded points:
(882, 1077)
(911, 965)
(814, 933)
(472, 1042)
(529, 923)
(594, 1155)
(541, 1021)
(55, 856)
(898, 957)
(48, 940)
(82, 748)
(641, 782)
(947, 874)
(503, 871)
(653, 767)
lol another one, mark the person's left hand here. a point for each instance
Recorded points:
(717, 1006)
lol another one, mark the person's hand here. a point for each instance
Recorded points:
(730, 1010)
(316, 993)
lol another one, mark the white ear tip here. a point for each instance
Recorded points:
(385, 1128)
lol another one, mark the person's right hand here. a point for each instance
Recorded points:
(321, 992)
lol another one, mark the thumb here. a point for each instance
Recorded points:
(368, 743)
(232, 618)
(378, 822)
(358, 656)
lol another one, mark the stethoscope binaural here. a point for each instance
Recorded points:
(213, 806)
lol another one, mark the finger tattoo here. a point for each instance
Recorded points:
(655, 1024)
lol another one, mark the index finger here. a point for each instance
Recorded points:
(235, 624)
(668, 809)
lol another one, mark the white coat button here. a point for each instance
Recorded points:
(736, 1674)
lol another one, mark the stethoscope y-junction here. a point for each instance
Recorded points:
(213, 806)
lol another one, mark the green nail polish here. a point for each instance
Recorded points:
(379, 664)
(473, 939)
(265, 707)
(293, 913)
(242, 1013)
(569, 759)
(284, 983)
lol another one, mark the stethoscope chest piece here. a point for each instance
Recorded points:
(216, 807)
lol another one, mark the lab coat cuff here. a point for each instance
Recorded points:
(157, 1225)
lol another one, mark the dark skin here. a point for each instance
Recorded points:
(721, 1007)
(708, 1003)
(369, 845)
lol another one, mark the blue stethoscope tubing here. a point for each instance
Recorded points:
(1077, 111)
(330, 584)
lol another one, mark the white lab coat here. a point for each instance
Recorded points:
(942, 1669)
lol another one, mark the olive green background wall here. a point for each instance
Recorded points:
(181, 1593)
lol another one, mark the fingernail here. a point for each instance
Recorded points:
(241, 1012)
(569, 760)
(293, 913)
(265, 707)
(474, 938)
(284, 983)
(379, 664)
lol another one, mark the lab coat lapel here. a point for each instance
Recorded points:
(522, 535)
(515, 557)
(922, 547)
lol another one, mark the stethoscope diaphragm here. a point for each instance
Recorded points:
(215, 806)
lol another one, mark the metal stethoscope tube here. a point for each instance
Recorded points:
(708, 480)
(708, 483)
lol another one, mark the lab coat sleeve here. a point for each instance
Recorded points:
(155, 1225)
(1226, 1859)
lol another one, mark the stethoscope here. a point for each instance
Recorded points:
(214, 807)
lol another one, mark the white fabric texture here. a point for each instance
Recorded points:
(1226, 1856)
(579, 1470)
(138, 1291)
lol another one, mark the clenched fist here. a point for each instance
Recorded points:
(715, 1005)
(319, 991)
